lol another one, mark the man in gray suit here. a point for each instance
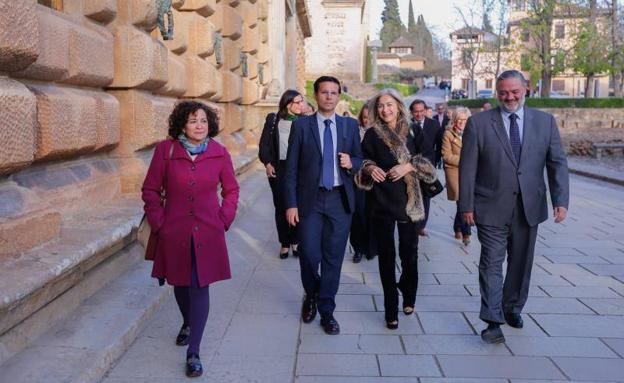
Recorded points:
(502, 191)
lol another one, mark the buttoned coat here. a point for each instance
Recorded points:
(192, 210)
(490, 178)
(451, 150)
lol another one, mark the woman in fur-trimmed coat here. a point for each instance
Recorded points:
(392, 171)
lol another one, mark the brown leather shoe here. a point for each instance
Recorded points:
(308, 309)
(330, 325)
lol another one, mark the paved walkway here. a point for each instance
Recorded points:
(574, 319)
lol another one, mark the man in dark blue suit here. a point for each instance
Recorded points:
(323, 154)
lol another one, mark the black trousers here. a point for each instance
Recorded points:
(359, 236)
(517, 239)
(408, 253)
(426, 203)
(286, 234)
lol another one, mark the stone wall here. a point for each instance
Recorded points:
(85, 92)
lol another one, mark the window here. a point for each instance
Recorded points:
(54, 4)
(488, 84)
(559, 31)
(558, 85)
(525, 63)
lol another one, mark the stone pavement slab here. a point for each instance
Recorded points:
(574, 324)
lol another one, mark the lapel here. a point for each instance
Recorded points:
(499, 129)
(313, 125)
(528, 134)
(340, 132)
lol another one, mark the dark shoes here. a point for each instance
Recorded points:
(493, 334)
(295, 253)
(393, 324)
(408, 310)
(193, 366)
(514, 320)
(183, 336)
(330, 325)
(357, 257)
(308, 309)
(283, 255)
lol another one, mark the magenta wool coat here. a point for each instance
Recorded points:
(192, 210)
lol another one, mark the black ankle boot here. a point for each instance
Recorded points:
(193, 366)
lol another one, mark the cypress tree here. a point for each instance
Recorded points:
(392, 28)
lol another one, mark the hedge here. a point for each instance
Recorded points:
(404, 89)
(548, 102)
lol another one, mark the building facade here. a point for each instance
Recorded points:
(475, 57)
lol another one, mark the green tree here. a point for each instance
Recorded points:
(392, 27)
(590, 53)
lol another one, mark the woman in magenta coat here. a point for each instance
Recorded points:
(191, 251)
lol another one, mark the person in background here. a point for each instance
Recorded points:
(359, 237)
(428, 111)
(441, 116)
(391, 172)
(273, 148)
(451, 149)
(191, 252)
(486, 106)
(308, 108)
(428, 137)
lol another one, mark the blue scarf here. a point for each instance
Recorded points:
(193, 149)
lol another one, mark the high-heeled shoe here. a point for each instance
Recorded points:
(283, 255)
(393, 324)
(458, 235)
(408, 310)
(466, 240)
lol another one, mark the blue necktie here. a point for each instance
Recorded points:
(328, 156)
(514, 137)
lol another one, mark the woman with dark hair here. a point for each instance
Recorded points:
(359, 237)
(190, 225)
(272, 153)
(392, 172)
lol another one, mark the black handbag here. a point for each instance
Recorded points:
(433, 189)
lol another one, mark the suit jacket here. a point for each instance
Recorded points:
(305, 161)
(445, 121)
(490, 178)
(429, 141)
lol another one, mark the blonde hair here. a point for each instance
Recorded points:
(460, 110)
(402, 125)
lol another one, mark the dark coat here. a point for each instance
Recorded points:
(445, 121)
(490, 179)
(268, 148)
(429, 141)
(393, 200)
(305, 161)
(192, 210)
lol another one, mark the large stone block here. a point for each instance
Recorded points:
(231, 54)
(179, 43)
(176, 86)
(249, 12)
(53, 61)
(203, 7)
(143, 119)
(263, 31)
(251, 40)
(107, 120)
(202, 79)
(232, 24)
(232, 87)
(263, 10)
(90, 56)
(23, 233)
(233, 117)
(19, 34)
(140, 61)
(18, 113)
(263, 54)
(252, 67)
(251, 92)
(200, 32)
(140, 13)
(67, 121)
(103, 11)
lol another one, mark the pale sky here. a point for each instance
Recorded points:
(440, 16)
